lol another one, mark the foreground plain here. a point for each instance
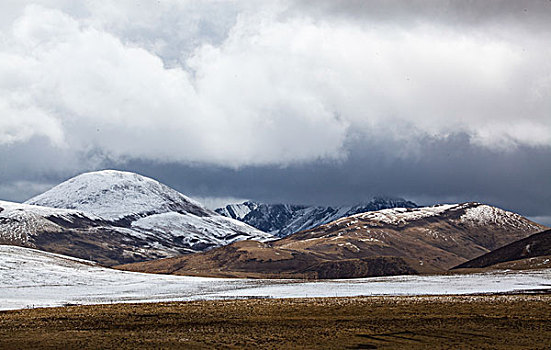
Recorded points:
(484, 321)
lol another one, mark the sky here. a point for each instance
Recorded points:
(323, 103)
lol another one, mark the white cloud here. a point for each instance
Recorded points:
(273, 89)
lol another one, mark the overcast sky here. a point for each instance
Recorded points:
(324, 102)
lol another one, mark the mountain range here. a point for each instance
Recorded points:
(116, 217)
(284, 219)
(136, 223)
(385, 242)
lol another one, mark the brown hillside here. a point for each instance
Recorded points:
(522, 253)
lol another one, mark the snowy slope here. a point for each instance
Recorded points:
(118, 217)
(19, 222)
(212, 230)
(284, 219)
(32, 278)
(80, 234)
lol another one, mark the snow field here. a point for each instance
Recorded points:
(32, 278)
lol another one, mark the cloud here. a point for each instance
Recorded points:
(123, 101)
(264, 86)
(20, 191)
(218, 202)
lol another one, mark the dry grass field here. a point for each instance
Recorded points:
(466, 322)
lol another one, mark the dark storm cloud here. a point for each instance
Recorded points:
(452, 170)
(530, 14)
(27, 169)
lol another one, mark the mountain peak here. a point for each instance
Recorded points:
(117, 194)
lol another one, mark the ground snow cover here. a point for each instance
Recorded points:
(31, 278)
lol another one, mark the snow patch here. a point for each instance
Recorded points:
(31, 278)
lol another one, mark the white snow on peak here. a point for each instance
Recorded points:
(285, 219)
(115, 194)
(483, 214)
(238, 210)
(471, 213)
(397, 216)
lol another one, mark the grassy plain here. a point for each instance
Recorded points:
(502, 321)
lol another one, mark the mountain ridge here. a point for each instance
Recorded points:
(385, 242)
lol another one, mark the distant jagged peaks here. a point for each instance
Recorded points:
(382, 202)
(114, 195)
(285, 219)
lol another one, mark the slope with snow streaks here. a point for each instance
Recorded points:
(199, 231)
(79, 234)
(19, 222)
(397, 216)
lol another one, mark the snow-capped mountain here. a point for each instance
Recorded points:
(115, 217)
(384, 242)
(283, 219)
(116, 195)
